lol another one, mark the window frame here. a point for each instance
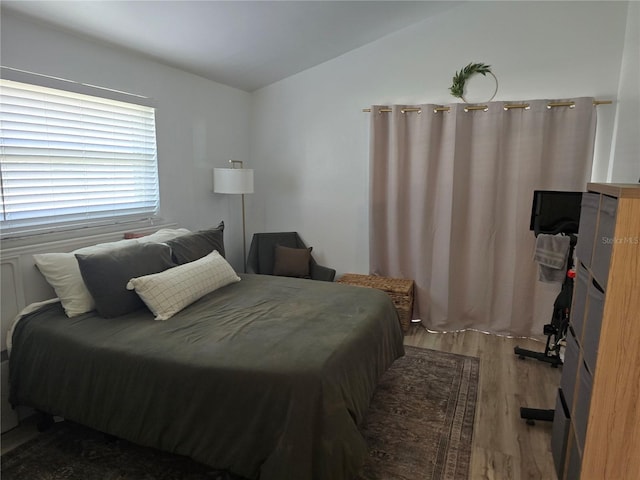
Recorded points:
(110, 221)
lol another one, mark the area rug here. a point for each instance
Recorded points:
(419, 427)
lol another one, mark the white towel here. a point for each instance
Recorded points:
(551, 254)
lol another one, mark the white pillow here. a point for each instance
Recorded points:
(168, 292)
(163, 235)
(63, 274)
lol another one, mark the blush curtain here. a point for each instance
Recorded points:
(450, 204)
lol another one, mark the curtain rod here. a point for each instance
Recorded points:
(507, 106)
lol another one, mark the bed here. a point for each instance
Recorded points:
(267, 377)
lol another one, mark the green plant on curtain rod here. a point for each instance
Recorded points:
(460, 78)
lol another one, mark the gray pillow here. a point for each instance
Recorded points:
(193, 246)
(106, 275)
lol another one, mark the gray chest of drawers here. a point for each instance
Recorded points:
(596, 429)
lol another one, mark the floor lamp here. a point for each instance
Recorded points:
(235, 180)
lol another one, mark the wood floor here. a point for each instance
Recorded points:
(504, 447)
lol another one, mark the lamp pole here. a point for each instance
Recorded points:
(235, 180)
(244, 235)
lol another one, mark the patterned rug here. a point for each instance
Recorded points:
(419, 427)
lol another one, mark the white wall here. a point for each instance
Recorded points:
(309, 136)
(625, 154)
(200, 124)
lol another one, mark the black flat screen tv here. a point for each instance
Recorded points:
(555, 212)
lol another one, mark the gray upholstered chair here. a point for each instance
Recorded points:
(262, 255)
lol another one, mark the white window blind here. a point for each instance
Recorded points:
(70, 159)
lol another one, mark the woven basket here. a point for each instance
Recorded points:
(399, 289)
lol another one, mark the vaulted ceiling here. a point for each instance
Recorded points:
(244, 44)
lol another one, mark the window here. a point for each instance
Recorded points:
(68, 159)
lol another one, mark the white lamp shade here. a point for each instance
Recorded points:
(233, 180)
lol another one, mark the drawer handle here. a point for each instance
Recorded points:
(597, 285)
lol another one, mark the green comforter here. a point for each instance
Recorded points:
(268, 377)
